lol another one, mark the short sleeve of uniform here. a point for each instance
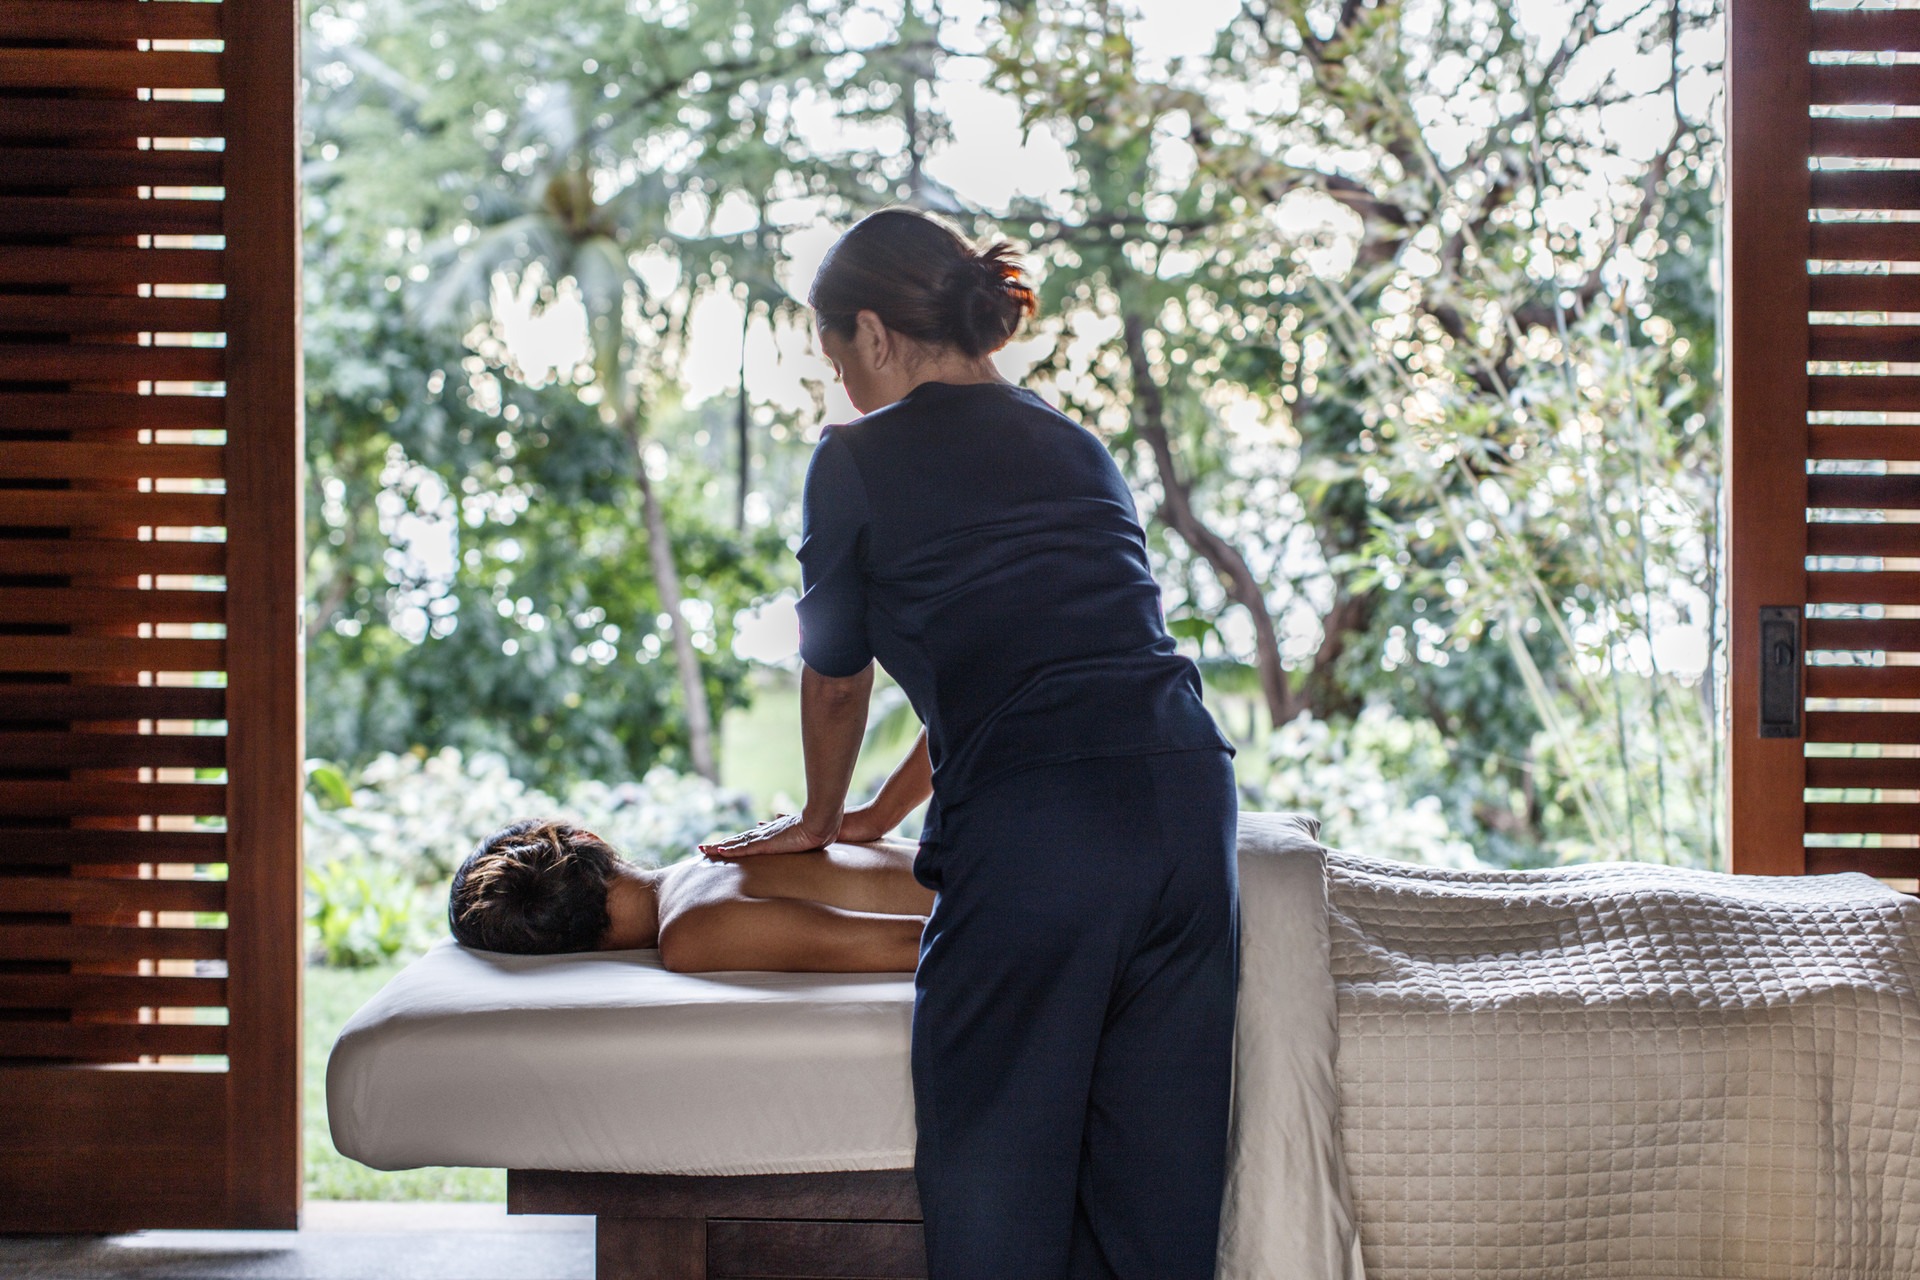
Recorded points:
(834, 520)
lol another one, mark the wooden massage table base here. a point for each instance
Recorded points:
(822, 1226)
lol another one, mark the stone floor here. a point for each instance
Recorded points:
(336, 1241)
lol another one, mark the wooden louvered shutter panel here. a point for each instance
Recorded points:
(1824, 457)
(149, 606)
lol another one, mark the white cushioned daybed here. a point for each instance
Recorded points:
(1604, 1072)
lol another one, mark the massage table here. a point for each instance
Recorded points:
(1609, 1072)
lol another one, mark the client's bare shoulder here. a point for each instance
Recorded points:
(875, 878)
(844, 909)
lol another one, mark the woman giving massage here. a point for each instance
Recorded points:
(1074, 991)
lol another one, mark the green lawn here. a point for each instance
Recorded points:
(332, 996)
(760, 744)
(760, 748)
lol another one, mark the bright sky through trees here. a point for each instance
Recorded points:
(988, 161)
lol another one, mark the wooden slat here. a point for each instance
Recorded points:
(104, 799)
(1867, 189)
(59, 508)
(54, 411)
(1864, 393)
(108, 991)
(1825, 681)
(56, 846)
(106, 750)
(890, 1250)
(110, 556)
(109, 120)
(1874, 342)
(1864, 241)
(1872, 493)
(76, 1161)
(35, 894)
(1863, 726)
(1865, 138)
(1864, 819)
(105, 942)
(1857, 291)
(109, 215)
(64, 264)
(110, 362)
(1890, 864)
(83, 604)
(110, 653)
(1866, 441)
(107, 1040)
(1866, 30)
(80, 168)
(1830, 587)
(107, 20)
(1838, 85)
(1893, 635)
(89, 702)
(107, 313)
(107, 69)
(1864, 773)
(1863, 540)
(60, 460)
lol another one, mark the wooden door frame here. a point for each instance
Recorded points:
(1766, 300)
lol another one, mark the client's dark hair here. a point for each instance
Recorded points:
(924, 280)
(537, 887)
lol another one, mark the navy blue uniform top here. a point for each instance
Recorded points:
(984, 548)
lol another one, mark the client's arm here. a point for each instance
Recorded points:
(789, 935)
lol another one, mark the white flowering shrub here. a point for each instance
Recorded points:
(382, 844)
(1362, 781)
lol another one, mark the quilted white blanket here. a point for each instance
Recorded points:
(1627, 1071)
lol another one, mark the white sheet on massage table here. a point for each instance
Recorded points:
(608, 1062)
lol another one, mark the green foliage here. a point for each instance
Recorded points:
(363, 911)
(1422, 414)
(479, 568)
(1380, 785)
(1422, 418)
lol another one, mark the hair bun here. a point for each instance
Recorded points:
(988, 300)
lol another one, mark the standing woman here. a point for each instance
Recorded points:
(1073, 1024)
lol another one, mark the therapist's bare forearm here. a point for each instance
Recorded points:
(909, 784)
(833, 720)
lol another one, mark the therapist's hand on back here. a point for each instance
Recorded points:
(792, 833)
(782, 833)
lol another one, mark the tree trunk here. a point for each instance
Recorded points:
(742, 424)
(1176, 511)
(666, 577)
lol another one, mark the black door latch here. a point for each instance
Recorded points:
(1779, 671)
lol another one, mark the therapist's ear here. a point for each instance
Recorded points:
(872, 340)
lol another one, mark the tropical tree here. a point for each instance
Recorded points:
(1361, 364)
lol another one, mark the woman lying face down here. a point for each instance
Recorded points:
(541, 887)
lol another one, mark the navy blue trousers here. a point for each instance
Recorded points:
(1073, 1021)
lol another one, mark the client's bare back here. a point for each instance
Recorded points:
(846, 908)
